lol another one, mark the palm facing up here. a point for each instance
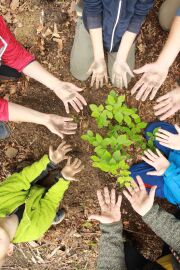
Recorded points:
(58, 155)
(139, 198)
(71, 169)
(158, 161)
(110, 209)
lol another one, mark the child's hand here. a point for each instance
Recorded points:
(70, 170)
(98, 70)
(58, 155)
(169, 139)
(119, 74)
(158, 161)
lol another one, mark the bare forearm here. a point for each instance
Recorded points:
(125, 45)
(172, 45)
(97, 43)
(36, 71)
(18, 113)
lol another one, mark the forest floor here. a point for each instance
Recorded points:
(72, 245)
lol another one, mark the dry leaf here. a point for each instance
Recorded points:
(14, 4)
(59, 42)
(11, 152)
(55, 32)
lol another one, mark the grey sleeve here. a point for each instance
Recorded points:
(111, 253)
(165, 225)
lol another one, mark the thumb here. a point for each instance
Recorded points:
(152, 193)
(177, 128)
(51, 150)
(153, 173)
(143, 69)
(129, 71)
(95, 217)
(90, 71)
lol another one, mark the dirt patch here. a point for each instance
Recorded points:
(72, 245)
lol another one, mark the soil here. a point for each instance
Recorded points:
(72, 245)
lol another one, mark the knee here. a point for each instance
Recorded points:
(78, 74)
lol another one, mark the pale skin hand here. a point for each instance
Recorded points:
(158, 161)
(139, 198)
(110, 208)
(168, 104)
(98, 70)
(58, 155)
(67, 92)
(120, 67)
(60, 125)
(119, 73)
(56, 124)
(168, 139)
(152, 79)
(71, 169)
(156, 73)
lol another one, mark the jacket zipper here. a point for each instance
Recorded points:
(114, 28)
(2, 50)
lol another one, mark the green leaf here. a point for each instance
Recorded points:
(141, 125)
(101, 108)
(95, 158)
(111, 100)
(117, 155)
(109, 107)
(99, 138)
(118, 117)
(127, 120)
(156, 130)
(93, 107)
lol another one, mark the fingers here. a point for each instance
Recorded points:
(81, 98)
(141, 91)
(160, 99)
(69, 161)
(159, 153)
(140, 183)
(70, 126)
(161, 104)
(96, 217)
(148, 161)
(74, 105)
(141, 70)
(167, 114)
(137, 86)
(66, 105)
(128, 196)
(177, 128)
(119, 201)
(154, 92)
(163, 109)
(100, 199)
(150, 155)
(79, 169)
(152, 193)
(113, 196)
(107, 195)
(153, 173)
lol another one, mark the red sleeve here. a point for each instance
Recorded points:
(15, 55)
(4, 113)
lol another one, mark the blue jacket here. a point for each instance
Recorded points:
(172, 178)
(115, 17)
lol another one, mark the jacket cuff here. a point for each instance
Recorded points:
(92, 22)
(4, 111)
(135, 25)
(170, 171)
(149, 216)
(178, 12)
(111, 226)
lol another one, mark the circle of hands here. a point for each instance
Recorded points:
(153, 77)
(72, 167)
(110, 206)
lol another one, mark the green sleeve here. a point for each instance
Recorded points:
(111, 253)
(22, 180)
(50, 202)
